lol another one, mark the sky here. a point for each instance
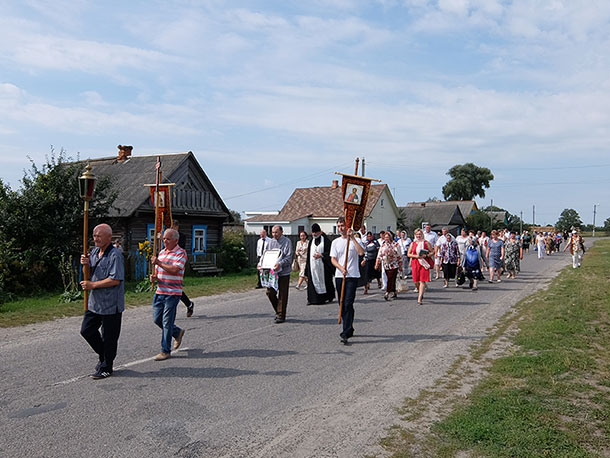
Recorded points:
(275, 95)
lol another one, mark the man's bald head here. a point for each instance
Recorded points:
(102, 235)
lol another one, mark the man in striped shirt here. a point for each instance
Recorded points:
(169, 272)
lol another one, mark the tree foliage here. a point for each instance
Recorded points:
(467, 181)
(43, 220)
(607, 225)
(236, 216)
(569, 218)
(479, 221)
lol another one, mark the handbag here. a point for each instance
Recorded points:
(401, 284)
(295, 265)
(461, 278)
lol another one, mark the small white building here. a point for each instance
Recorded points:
(322, 205)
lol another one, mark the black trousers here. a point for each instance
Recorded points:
(347, 312)
(185, 299)
(258, 274)
(104, 343)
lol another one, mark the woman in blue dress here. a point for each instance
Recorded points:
(495, 256)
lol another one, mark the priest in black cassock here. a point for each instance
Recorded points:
(319, 269)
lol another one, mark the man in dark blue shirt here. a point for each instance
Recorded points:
(106, 300)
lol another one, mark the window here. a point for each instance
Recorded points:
(382, 203)
(150, 236)
(334, 229)
(301, 229)
(199, 238)
(374, 231)
(389, 228)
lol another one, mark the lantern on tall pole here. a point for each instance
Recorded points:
(86, 184)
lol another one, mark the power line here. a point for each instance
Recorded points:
(291, 182)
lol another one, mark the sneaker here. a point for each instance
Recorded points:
(100, 374)
(189, 309)
(178, 340)
(162, 356)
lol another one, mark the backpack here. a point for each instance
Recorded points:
(472, 257)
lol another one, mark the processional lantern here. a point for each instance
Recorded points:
(86, 185)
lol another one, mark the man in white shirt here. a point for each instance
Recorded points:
(437, 250)
(430, 235)
(350, 275)
(260, 249)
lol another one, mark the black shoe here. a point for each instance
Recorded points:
(189, 309)
(100, 374)
(258, 287)
(344, 340)
(279, 320)
(98, 366)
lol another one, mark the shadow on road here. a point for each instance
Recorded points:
(370, 338)
(197, 372)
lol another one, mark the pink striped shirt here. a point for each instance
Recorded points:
(167, 283)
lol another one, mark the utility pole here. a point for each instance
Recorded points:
(594, 212)
(533, 215)
(520, 223)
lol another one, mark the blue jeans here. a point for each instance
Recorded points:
(347, 312)
(164, 315)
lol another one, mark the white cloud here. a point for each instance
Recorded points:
(23, 44)
(93, 98)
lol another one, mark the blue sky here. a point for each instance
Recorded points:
(273, 95)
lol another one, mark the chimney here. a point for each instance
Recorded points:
(335, 184)
(124, 152)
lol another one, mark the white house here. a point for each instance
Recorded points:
(322, 205)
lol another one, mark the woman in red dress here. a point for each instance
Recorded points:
(421, 263)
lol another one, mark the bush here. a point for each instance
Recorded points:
(231, 255)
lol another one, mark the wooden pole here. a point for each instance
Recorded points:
(157, 182)
(85, 249)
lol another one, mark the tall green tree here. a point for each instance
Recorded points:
(467, 181)
(43, 220)
(479, 221)
(569, 218)
(607, 225)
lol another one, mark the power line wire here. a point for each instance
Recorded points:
(291, 182)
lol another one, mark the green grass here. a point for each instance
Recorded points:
(49, 306)
(550, 396)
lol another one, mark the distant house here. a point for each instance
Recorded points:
(497, 217)
(438, 216)
(195, 202)
(467, 207)
(322, 205)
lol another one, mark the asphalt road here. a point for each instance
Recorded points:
(242, 386)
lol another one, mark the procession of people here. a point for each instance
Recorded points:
(327, 269)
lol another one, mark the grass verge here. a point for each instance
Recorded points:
(548, 394)
(49, 306)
